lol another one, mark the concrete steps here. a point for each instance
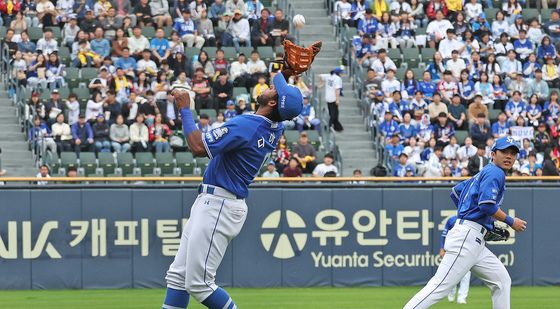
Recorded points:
(16, 158)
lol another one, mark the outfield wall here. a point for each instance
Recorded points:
(122, 237)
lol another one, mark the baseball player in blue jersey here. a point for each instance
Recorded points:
(237, 151)
(478, 201)
(465, 282)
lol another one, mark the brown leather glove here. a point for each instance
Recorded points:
(299, 59)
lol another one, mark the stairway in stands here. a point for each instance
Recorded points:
(354, 142)
(16, 158)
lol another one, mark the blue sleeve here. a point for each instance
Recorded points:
(456, 192)
(361, 25)
(230, 136)
(74, 133)
(89, 131)
(490, 187)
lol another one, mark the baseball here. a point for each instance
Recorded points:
(299, 21)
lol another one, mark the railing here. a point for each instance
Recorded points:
(307, 180)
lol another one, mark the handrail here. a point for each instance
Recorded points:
(261, 179)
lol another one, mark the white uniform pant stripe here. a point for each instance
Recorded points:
(169, 307)
(210, 246)
(227, 304)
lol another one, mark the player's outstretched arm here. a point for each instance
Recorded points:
(517, 224)
(192, 133)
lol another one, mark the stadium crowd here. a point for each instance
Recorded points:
(99, 72)
(446, 77)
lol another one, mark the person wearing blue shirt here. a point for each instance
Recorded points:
(427, 86)
(237, 150)
(368, 24)
(127, 63)
(501, 127)
(466, 280)
(160, 46)
(99, 44)
(515, 107)
(546, 49)
(523, 46)
(394, 148)
(531, 66)
(187, 30)
(230, 111)
(478, 201)
(82, 135)
(401, 168)
(406, 129)
(388, 127)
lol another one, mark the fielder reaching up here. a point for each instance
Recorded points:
(237, 151)
(478, 201)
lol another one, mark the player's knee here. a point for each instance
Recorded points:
(506, 281)
(197, 289)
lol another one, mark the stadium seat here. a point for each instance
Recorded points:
(491, 14)
(400, 73)
(82, 94)
(313, 137)
(529, 14)
(202, 164)
(292, 136)
(87, 74)
(64, 55)
(72, 76)
(461, 135)
(493, 114)
(168, 30)
(238, 91)
(3, 30)
(410, 56)
(246, 51)
(319, 156)
(427, 54)
(185, 162)
(545, 15)
(164, 161)
(190, 52)
(64, 92)
(125, 162)
(149, 32)
(107, 162)
(266, 53)
(418, 72)
(57, 33)
(35, 33)
(211, 51)
(88, 162)
(68, 159)
(395, 55)
(230, 53)
(210, 112)
(145, 161)
(52, 161)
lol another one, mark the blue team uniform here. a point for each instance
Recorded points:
(479, 197)
(238, 149)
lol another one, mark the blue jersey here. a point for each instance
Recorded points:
(448, 226)
(160, 45)
(237, 151)
(479, 197)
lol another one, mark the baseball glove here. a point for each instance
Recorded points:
(497, 234)
(298, 59)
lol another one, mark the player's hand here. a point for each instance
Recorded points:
(519, 225)
(441, 252)
(182, 99)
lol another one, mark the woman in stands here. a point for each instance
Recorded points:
(436, 67)
(484, 88)
(159, 134)
(460, 25)
(176, 44)
(282, 154)
(119, 42)
(36, 73)
(205, 63)
(492, 68)
(55, 72)
(142, 85)
(500, 92)
(466, 88)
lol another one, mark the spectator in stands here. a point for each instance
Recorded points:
(242, 106)
(119, 135)
(62, 134)
(279, 28)
(139, 136)
(137, 43)
(538, 86)
(270, 171)
(187, 30)
(304, 153)
(46, 12)
(160, 46)
(478, 161)
(542, 138)
(436, 107)
(160, 12)
(260, 30)
(550, 165)
(101, 135)
(238, 32)
(406, 129)
(450, 151)
(147, 64)
(223, 90)
(382, 64)
(203, 123)
(333, 90)
(449, 44)
(230, 111)
(293, 169)
(220, 121)
(55, 72)
(476, 108)
(100, 45)
(111, 23)
(40, 137)
(437, 28)
(447, 87)
(433, 166)
(457, 112)
(43, 174)
(306, 119)
(325, 167)
(54, 106)
(169, 111)
(204, 62)
(159, 134)
(435, 68)
(501, 127)
(523, 46)
(531, 165)
(82, 135)
(390, 84)
(485, 89)
(256, 67)
(401, 167)
(47, 44)
(425, 130)
(239, 73)
(94, 106)
(515, 108)
(394, 148)
(261, 87)
(552, 27)
(386, 33)
(443, 130)
(368, 25)
(201, 87)
(480, 130)
(466, 151)
(220, 63)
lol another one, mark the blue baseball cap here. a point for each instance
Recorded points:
(290, 99)
(482, 16)
(339, 70)
(409, 169)
(230, 102)
(504, 143)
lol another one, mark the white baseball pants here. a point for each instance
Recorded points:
(463, 289)
(214, 221)
(465, 249)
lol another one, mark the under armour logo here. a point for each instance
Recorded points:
(260, 142)
(207, 202)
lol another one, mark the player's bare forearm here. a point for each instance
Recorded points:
(194, 139)
(517, 224)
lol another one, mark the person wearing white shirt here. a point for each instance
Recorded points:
(450, 151)
(325, 167)
(43, 174)
(433, 166)
(342, 9)
(449, 44)
(437, 29)
(239, 31)
(270, 171)
(146, 64)
(390, 84)
(94, 107)
(399, 6)
(255, 66)
(472, 10)
(511, 66)
(333, 89)
(238, 71)
(466, 151)
(500, 25)
(382, 64)
(455, 65)
(47, 44)
(138, 43)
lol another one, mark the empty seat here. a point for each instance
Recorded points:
(145, 161)
(185, 162)
(164, 161)
(125, 162)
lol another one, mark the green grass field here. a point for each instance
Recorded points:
(283, 298)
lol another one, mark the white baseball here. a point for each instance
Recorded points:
(299, 21)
